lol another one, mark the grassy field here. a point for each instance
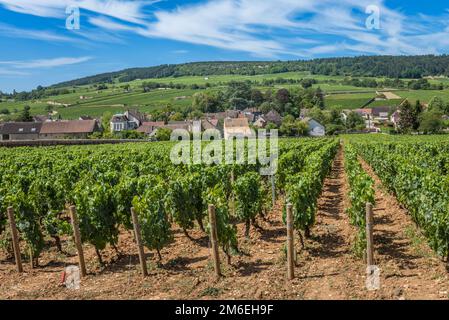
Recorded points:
(116, 99)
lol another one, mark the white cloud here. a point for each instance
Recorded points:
(44, 63)
(126, 10)
(264, 28)
(14, 32)
(6, 72)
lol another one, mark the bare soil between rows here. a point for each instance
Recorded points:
(326, 268)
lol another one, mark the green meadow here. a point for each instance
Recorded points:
(116, 99)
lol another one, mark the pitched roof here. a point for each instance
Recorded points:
(214, 122)
(250, 116)
(21, 127)
(136, 114)
(209, 124)
(72, 126)
(377, 110)
(308, 119)
(273, 116)
(149, 127)
(236, 123)
(174, 126)
(119, 118)
(154, 123)
(232, 113)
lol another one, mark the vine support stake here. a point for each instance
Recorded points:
(138, 238)
(233, 195)
(31, 258)
(273, 190)
(290, 244)
(369, 235)
(213, 240)
(77, 237)
(15, 239)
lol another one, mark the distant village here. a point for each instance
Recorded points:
(230, 123)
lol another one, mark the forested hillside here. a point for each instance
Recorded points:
(369, 66)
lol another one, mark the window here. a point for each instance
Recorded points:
(33, 129)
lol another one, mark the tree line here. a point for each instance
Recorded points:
(410, 67)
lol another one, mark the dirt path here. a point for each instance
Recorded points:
(409, 269)
(329, 270)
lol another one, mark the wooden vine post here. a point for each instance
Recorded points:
(273, 190)
(214, 240)
(15, 239)
(31, 258)
(290, 244)
(138, 238)
(77, 237)
(369, 235)
(233, 196)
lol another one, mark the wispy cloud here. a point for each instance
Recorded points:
(14, 32)
(263, 28)
(6, 72)
(180, 51)
(44, 63)
(126, 10)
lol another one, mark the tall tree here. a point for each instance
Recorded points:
(25, 115)
(409, 117)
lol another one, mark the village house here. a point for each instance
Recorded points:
(20, 131)
(209, 124)
(182, 125)
(68, 129)
(364, 113)
(260, 123)
(316, 129)
(380, 114)
(149, 128)
(273, 117)
(394, 118)
(130, 120)
(236, 128)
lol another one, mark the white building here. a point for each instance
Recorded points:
(236, 128)
(130, 120)
(316, 129)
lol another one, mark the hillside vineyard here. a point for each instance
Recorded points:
(105, 182)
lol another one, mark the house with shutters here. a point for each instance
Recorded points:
(130, 120)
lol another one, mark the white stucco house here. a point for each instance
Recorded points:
(130, 120)
(236, 128)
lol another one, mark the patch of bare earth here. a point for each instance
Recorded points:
(185, 272)
(409, 268)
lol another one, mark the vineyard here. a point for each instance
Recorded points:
(328, 183)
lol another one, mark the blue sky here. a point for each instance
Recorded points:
(38, 49)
